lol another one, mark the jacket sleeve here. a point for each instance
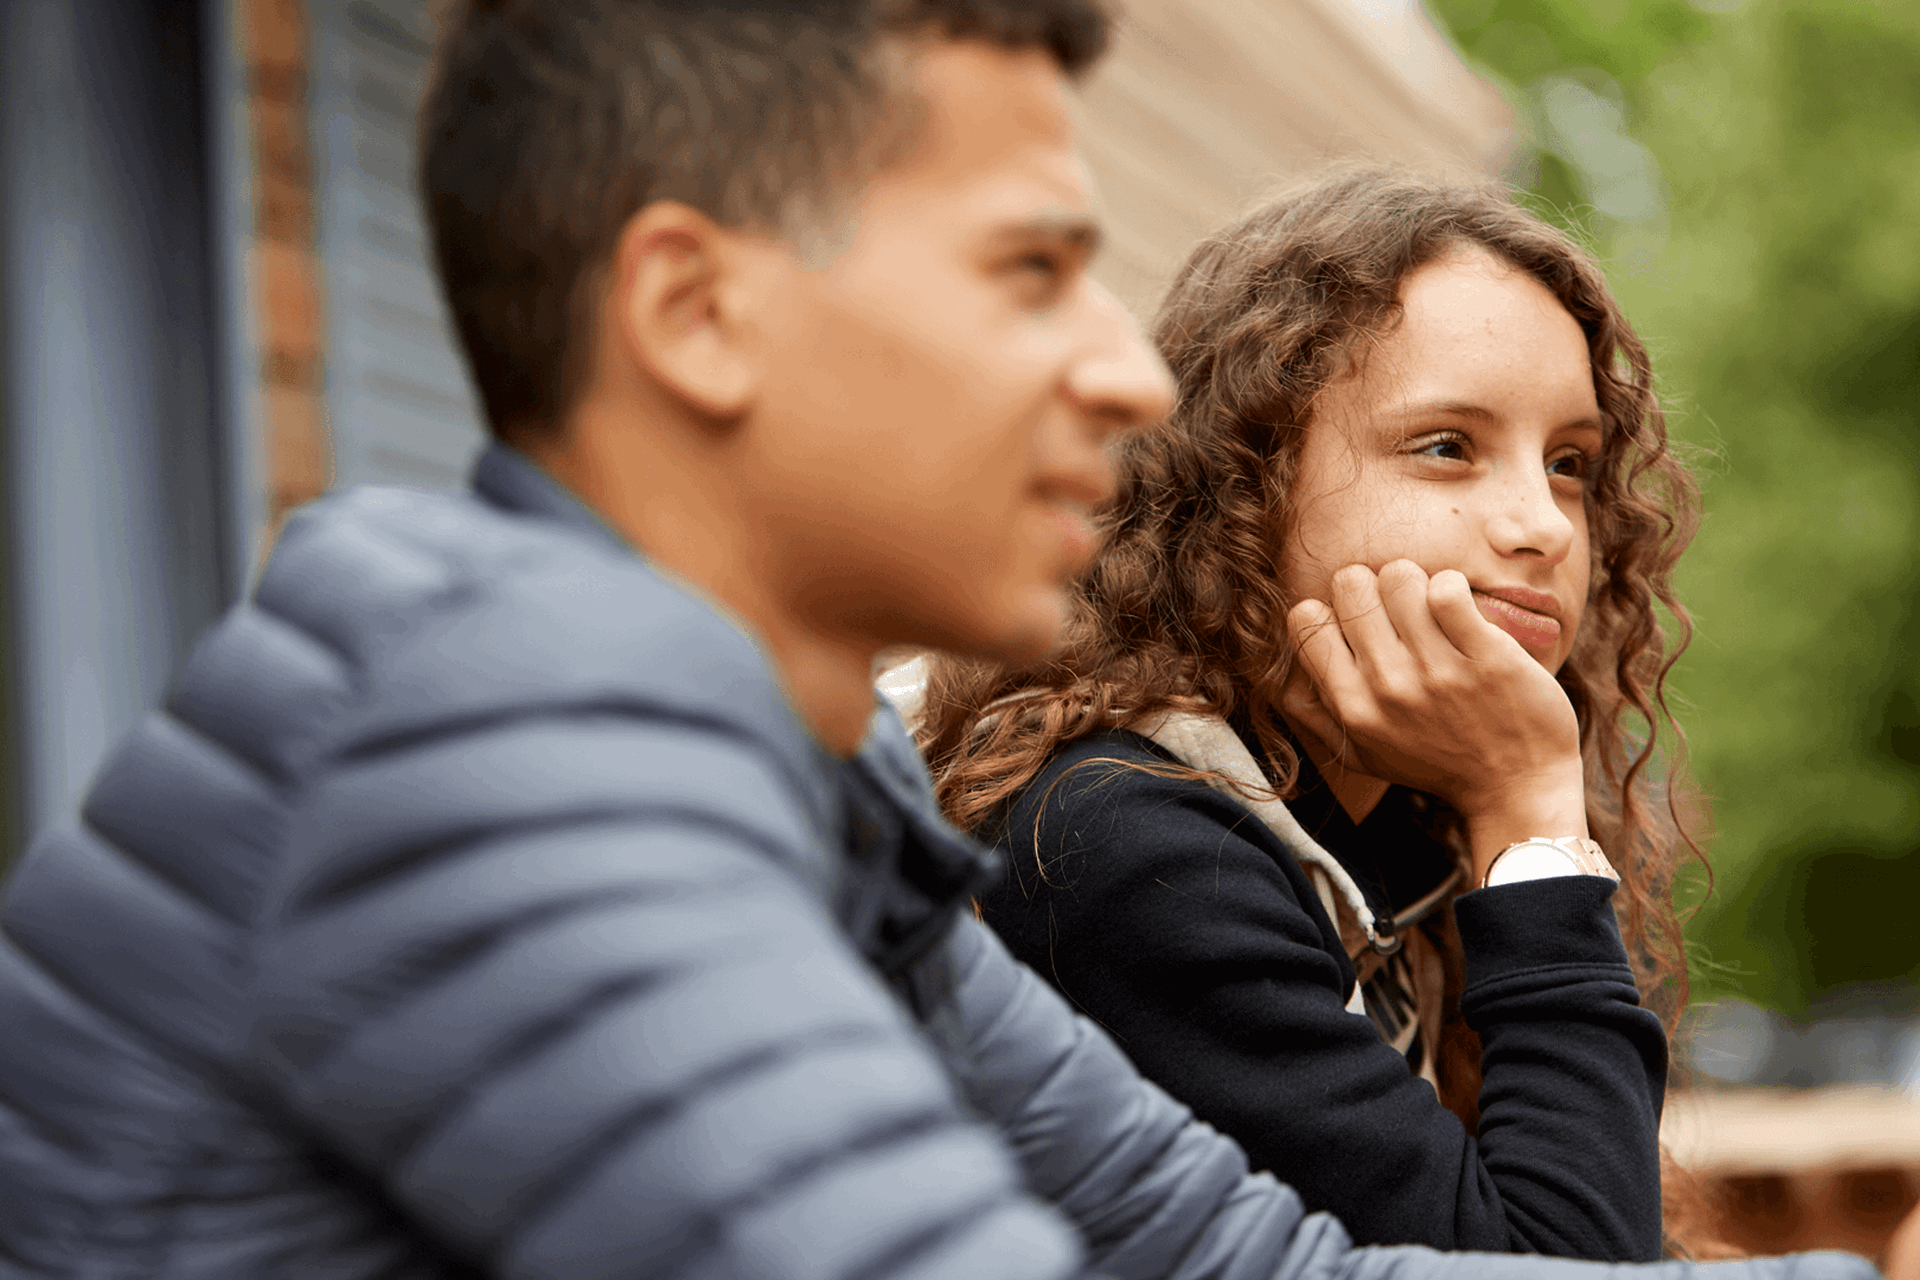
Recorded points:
(1169, 915)
(1425, 1264)
(551, 984)
(1158, 1195)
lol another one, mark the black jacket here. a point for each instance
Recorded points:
(1173, 917)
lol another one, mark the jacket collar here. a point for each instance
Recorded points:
(512, 481)
(907, 873)
(912, 871)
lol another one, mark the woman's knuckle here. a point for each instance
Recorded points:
(1399, 688)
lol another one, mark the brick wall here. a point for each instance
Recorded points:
(283, 266)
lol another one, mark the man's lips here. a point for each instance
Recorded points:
(1531, 617)
(1076, 532)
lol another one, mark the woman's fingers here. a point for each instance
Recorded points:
(1400, 623)
(1424, 691)
(1343, 688)
(1321, 643)
(1326, 690)
(1403, 593)
(1395, 641)
(1319, 730)
(1363, 618)
(1450, 604)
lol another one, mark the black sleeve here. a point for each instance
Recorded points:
(1172, 916)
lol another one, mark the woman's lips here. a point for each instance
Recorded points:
(1532, 627)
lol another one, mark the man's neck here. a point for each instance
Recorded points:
(830, 684)
(674, 505)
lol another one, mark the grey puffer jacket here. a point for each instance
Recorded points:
(476, 906)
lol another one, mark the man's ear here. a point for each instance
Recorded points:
(680, 304)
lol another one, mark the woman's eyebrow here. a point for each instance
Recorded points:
(1477, 413)
(1442, 409)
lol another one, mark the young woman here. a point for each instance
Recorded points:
(1321, 810)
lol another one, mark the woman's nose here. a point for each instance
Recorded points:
(1529, 520)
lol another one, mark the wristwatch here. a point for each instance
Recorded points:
(1541, 857)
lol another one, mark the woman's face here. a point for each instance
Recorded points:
(1462, 442)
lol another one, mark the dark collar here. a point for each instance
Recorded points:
(913, 871)
(1391, 853)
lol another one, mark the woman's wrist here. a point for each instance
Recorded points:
(1550, 808)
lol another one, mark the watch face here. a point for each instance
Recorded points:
(1532, 860)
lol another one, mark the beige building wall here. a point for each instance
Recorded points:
(1202, 106)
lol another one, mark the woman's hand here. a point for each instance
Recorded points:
(1409, 683)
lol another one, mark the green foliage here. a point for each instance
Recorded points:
(1776, 276)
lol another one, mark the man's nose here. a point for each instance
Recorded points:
(1121, 382)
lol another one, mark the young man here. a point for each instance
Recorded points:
(523, 883)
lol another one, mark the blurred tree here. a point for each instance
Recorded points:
(1751, 173)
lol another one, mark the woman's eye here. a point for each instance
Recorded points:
(1451, 448)
(1572, 465)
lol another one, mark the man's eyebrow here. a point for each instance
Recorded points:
(1079, 233)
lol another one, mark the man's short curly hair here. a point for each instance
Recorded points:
(548, 124)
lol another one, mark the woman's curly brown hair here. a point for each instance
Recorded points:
(1183, 606)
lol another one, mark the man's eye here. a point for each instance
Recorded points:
(1048, 265)
(1040, 278)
